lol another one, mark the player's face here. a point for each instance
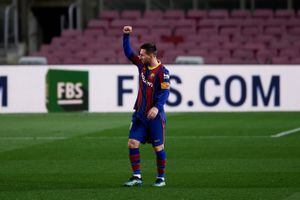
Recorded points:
(144, 57)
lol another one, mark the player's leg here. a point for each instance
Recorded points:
(136, 136)
(157, 132)
(134, 157)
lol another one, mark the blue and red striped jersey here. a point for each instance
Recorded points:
(154, 83)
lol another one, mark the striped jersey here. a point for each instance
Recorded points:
(154, 83)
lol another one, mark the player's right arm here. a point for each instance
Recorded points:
(127, 47)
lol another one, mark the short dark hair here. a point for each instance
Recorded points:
(150, 48)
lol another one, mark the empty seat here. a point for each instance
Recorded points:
(186, 46)
(243, 54)
(212, 60)
(262, 13)
(276, 22)
(120, 23)
(265, 56)
(287, 14)
(280, 60)
(143, 23)
(73, 60)
(70, 33)
(98, 24)
(220, 53)
(197, 52)
(185, 31)
(230, 31)
(93, 33)
(173, 14)
(295, 61)
(289, 52)
(251, 31)
(254, 46)
(230, 61)
(153, 14)
(294, 31)
(240, 14)
(196, 14)
(185, 23)
(208, 23)
(276, 31)
(109, 15)
(231, 23)
(264, 39)
(231, 46)
(131, 14)
(218, 14)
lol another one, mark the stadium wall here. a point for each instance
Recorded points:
(113, 88)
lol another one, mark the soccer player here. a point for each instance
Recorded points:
(148, 119)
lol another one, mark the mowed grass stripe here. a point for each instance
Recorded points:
(231, 168)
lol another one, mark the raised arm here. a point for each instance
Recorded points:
(127, 47)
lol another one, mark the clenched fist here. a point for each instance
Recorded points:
(127, 29)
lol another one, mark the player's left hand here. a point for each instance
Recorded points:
(152, 113)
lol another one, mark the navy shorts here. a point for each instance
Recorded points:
(148, 131)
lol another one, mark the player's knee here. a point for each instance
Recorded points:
(158, 148)
(133, 144)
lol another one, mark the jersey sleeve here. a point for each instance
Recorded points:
(129, 53)
(164, 90)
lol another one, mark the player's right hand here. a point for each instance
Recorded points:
(127, 29)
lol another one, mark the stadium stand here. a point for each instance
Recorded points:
(219, 36)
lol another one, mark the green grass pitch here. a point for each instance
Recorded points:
(209, 156)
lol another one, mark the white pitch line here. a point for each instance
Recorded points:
(285, 133)
(125, 137)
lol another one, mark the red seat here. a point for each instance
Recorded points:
(73, 60)
(231, 46)
(265, 56)
(185, 31)
(287, 14)
(262, 13)
(254, 46)
(207, 31)
(230, 31)
(70, 33)
(231, 23)
(276, 31)
(212, 60)
(197, 52)
(243, 54)
(280, 60)
(186, 46)
(264, 39)
(289, 52)
(196, 14)
(295, 61)
(218, 14)
(93, 33)
(131, 14)
(120, 23)
(173, 14)
(220, 53)
(231, 61)
(208, 23)
(109, 15)
(251, 31)
(185, 23)
(153, 14)
(98, 24)
(143, 23)
(240, 14)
